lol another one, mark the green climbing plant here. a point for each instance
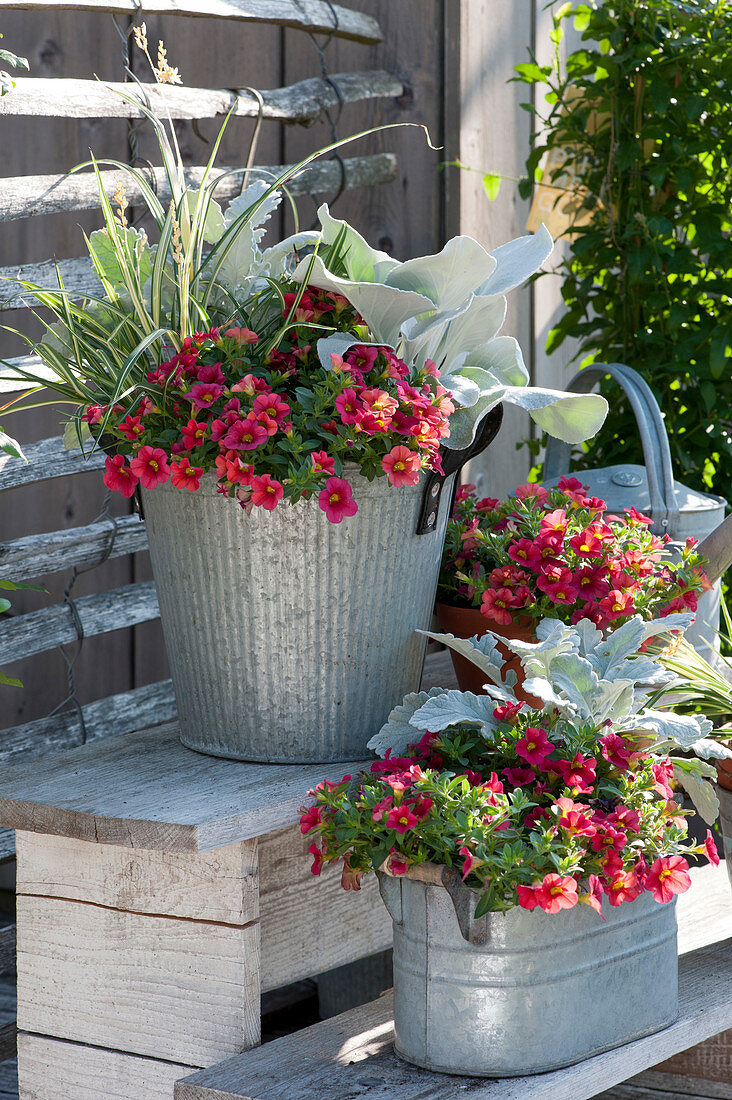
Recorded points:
(641, 113)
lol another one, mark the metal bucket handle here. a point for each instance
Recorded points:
(656, 450)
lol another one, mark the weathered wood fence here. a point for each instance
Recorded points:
(443, 63)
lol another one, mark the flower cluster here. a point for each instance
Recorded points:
(547, 814)
(275, 423)
(558, 552)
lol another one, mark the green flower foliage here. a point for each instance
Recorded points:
(643, 113)
(6, 82)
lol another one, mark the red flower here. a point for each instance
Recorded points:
(245, 435)
(534, 747)
(470, 861)
(336, 499)
(193, 435)
(608, 838)
(616, 751)
(150, 464)
(397, 863)
(525, 552)
(506, 712)
(118, 477)
(578, 772)
(532, 493)
(495, 605)
(266, 492)
(317, 854)
(519, 777)
(624, 887)
(401, 819)
(322, 462)
(204, 394)
(711, 849)
(555, 522)
(592, 583)
(573, 820)
(593, 897)
(559, 585)
(557, 892)
(131, 428)
(635, 517)
(668, 876)
(617, 604)
(185, 476)
(402, 466)
(586, 544)
(349, 407)
(309, 818)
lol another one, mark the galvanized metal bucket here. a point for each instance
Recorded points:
(524, 992)
(725, 822)
(675, 509)
(289, 637)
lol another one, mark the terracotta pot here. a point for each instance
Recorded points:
(466, 622)
(724, 774)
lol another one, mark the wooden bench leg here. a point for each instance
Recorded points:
(132, 965)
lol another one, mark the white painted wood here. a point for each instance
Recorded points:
(146, 790)
(494, 137)
(38, 631)
(351, 1054)
(24, 196)
(46, 459)
(221, 885)
(704, 913)
(303, 102)
(310, 15)
(51, 1069)
(183, 990)
(36, 555)
(310, 923)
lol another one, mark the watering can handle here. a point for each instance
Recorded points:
(656, 450)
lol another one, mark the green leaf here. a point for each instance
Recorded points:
(491, 184)
(11, 446)
(9, 681)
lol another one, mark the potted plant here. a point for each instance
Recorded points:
(315, 382)
(554, 552)
(522, 853)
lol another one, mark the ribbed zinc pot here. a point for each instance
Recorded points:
(523, 992)
(289, 637)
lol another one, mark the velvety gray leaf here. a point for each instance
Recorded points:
(517, 261)
(482, 651)
(709, 749)
(397, 732)
(454, 707)
(450, 276)
(701, 793)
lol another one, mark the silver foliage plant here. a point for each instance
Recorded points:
(584, 676)
(450, 308)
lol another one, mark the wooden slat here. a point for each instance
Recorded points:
(23, 196)
(667, 1086)
(38, 631)
(316, 16)
(352, 1054)
(8, 1041)
(37, 555)
(183, 990)
(146, 790)
(70, 1070)
(308, 923)
(46, 459)
(142, 707)
(77, 276)
(303, 102)
(219, 886)
(7, 948)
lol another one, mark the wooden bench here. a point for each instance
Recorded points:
(352, 1056)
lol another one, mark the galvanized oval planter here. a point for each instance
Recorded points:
(290, 637)
(523, 992)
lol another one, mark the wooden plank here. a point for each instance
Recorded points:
(302, 102)
(352, 1055)
(494, 37)
(10, 380)
(8, 1041)
(24, 196)
(77, 276)
(50, 1069)
(711, 1060)
(317, 16)
(146, 790)
(183, 990)
(310, 924)
(48, 458)
(221, 885)
(704, 912)
(38, 631)
(37, 555)
(7, 948)
(670, 1083)
(146, 707)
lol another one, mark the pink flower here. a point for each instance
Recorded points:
(401, 819)
(573, 820)
(711, 849)
(616, 751)
(119, 477)
(662, 773)
(531, 492)
(402, 466)
(317, 854)
(193, 435)
(150, 464)
(309, 818)
(593, 897)
(322, 462)
(470, 861)
(608, 838)
(624, 887)
(534, 747)
(203, 394)
(349, 407)
(241, 335)
(578, 772)
(421, 807)
(668, 876)
(586, 545)
(519, 777)
(350, 878)
(266, 492)
(271, 404)
(506, 712)
(381, 808)
(525, 552)
(185, 476)
(557, 892)
(336, 499)
(245, 435)
(131, 428)
(637, 517)
(495, 605)
(559, 585)
(617, 604)
(528, 896)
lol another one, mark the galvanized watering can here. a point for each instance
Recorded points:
(675, 509)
